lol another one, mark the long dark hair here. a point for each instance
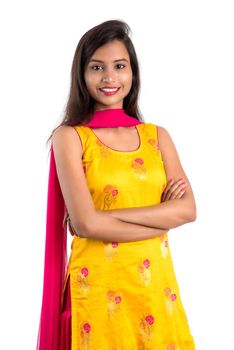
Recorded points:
(80, 103)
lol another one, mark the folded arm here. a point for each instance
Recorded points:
(171, 213)
(84, 220)
(166, 215)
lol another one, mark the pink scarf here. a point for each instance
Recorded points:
(54, 324)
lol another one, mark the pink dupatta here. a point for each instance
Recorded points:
(55, 323)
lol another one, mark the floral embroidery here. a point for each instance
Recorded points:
(103, 149)
(82, 279)
(139, 168)
(153, 142)
(164, 246)
(170, 299)
(146, 327)
(113, 300)
(155, 146)
(85, 336)
(111, 249)
(144, 271)
(110, 196)
(172, 347)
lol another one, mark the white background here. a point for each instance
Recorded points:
(185, 50)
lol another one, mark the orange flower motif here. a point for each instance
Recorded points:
(170, 299)
(139, 168)
(114, 347)
(110, 294)
(110, 196)
(170, 347)
(167, 291)
(113, 302)
(103, 149)
(111, 249)
(144, 271)
(85, 334)
(164, 246)
(146, 328)
(82, 279)
(108, 188)
(152, 142)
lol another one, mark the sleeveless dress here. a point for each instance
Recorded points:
(124, 295)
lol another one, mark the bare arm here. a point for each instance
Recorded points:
(107, 228)
(83, 215)
(171, 213)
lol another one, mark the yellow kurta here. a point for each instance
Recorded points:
(125, 295)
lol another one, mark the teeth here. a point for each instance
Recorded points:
(109, 90)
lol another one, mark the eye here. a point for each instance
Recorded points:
(94, 67)
(120, 64)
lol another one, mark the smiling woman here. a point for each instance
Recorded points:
(109, 182)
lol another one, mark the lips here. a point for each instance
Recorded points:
(109, 87)
(109, 90)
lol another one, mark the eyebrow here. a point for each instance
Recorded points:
(121, 59)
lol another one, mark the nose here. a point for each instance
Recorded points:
(108, 75)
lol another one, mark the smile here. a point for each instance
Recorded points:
(109, 91)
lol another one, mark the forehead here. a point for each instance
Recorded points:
(111, 51)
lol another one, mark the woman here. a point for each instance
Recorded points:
(123, 188)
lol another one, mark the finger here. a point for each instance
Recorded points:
(182, 192)
(172, 188)
(180, 185)
(168, 192)
(180, 195)
(167, 188)
(177, 192)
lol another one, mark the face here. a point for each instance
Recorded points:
(109, 67)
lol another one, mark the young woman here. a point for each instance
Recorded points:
(123, 188)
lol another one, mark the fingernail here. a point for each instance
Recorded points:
(171, 180)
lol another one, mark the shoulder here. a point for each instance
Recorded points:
(63, 131)
(162, 133)
(167, 146)
(66, 136)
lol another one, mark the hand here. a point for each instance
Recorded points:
(173, 190)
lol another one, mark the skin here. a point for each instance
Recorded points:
(177, 205)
